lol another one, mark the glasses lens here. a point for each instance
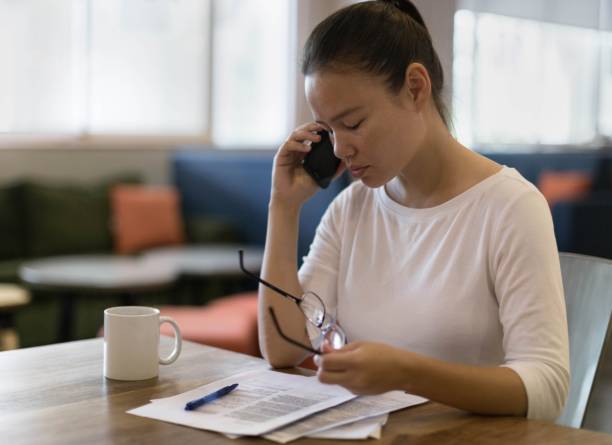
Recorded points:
(313, 308)
(333, 336)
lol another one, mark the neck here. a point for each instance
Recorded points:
(428, 179)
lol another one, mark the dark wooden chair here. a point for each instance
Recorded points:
(587, 282)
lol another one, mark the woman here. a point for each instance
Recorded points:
(440, 265)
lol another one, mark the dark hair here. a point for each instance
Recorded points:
(377, 37)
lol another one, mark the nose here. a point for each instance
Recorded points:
(342, 148)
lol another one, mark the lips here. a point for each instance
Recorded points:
(357, 171)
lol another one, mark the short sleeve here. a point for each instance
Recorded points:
(319, 271)
(529, 289)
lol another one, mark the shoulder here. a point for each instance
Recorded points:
(522, 218)
(511, 192)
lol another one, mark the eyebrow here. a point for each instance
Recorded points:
(343, 114)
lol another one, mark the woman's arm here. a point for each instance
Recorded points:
(291, 188)
(280, 268)
(373, 368)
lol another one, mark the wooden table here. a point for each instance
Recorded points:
(57, 395)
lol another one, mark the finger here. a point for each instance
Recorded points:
(317, 360)
(336, 361)
(350, 346)
(327, 347)
(310, 126)
(294, 146)
(304, 135)
(332, 378)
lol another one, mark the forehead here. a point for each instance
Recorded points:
(329, 92)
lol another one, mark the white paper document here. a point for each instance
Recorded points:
(362, 429)
(264, 401)
(357, 409)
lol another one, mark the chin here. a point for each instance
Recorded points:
(372, 182)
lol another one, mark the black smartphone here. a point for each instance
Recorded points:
(320, 162)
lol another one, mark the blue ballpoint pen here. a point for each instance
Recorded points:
(194, 404)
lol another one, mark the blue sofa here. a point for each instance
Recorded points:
(234, 187)
(582, 226)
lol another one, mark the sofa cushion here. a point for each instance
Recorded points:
(68, 218)
(559, 186)
(11, 231)
(228, 323)
(144, 217)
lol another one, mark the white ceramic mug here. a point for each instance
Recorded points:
(131, 342)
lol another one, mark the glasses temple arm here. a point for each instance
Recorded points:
(265, 283)
(289, 339)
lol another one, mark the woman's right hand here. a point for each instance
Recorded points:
(291, 185)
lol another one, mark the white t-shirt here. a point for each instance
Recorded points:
(475, 280)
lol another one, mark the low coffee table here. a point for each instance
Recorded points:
(198, 263)
(156, 269)
(124, 276)
(205, 260)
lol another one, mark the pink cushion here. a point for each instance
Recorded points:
(145, 216)
(227, 323)
(559, 186)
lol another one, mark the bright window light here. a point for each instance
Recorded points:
(40, 66)
(148, 70)
(251, 71)
(143, 67)
(520, 81)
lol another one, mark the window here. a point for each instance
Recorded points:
(252, 69)
(147, 67)
(524, 82)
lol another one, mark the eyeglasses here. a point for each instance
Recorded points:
(323, 325)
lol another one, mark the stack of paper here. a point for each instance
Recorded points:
(281, 407)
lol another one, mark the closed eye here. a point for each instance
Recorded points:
(353, 127)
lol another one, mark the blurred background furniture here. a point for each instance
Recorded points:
(583, 219)
(229, 323)
(223, 198)
(12, 298)
(587, 282)
(234, 187)
(196, 264)
(89, 276)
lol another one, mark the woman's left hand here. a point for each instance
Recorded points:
(363, 367)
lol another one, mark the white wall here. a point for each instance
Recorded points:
(84, 165)
(439, 16)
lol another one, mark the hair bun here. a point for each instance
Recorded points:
(408, 7)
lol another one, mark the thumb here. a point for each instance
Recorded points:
(346, 348)
(327, 347)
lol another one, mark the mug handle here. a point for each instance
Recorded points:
(178, 343)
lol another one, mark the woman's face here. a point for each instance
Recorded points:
(374, 132)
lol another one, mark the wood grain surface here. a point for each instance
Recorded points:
(57, 395)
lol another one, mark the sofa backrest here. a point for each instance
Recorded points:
(596, 163)
(234, 186)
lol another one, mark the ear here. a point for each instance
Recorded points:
(417, 85)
